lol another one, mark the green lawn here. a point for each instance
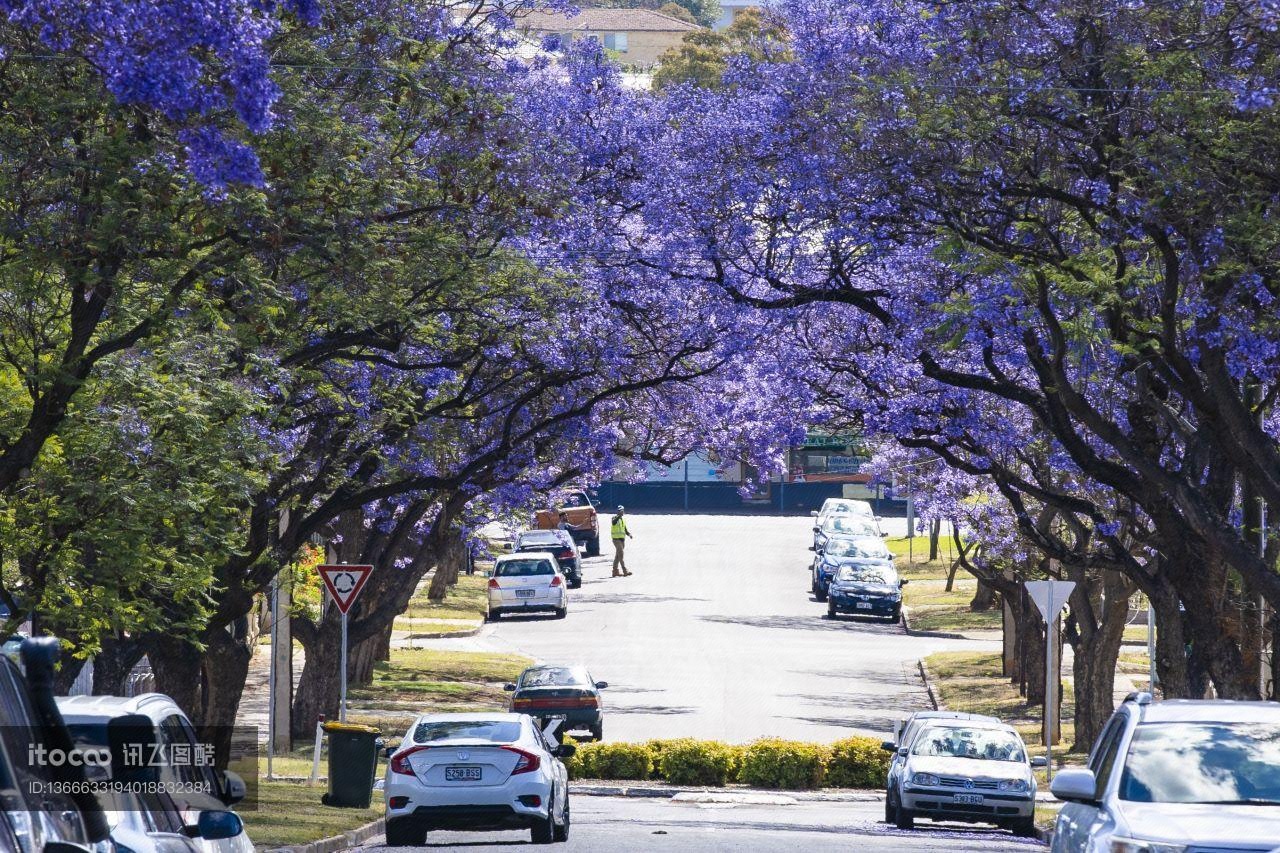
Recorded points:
(289, 813)
(467, 600)
(930, 606)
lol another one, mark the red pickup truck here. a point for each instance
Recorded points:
(580, 512)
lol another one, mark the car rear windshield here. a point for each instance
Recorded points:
(849, 524)
(494, 731)
(553, 676)
(865, 574)
(978, 744)
(523, 568)
(1219, 763)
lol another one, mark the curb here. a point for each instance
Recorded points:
(336, 843)
(447, 635)
(941, 635)
(673, 791)
(928, 686)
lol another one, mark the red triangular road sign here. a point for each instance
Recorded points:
(344, 583)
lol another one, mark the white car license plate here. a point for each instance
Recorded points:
(524, 593)
(969, 799)
(467, 774)
(863, 605)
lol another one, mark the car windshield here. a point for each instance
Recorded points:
(866, 549)
(494, 731)
(849, 524)
(1203, 763)
(865, 574)
(523, 568)
(553, 676)
(976, 743)
(576, 499)
(545, 538)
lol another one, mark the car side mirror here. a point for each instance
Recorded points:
(903, 752)
(1039, 762)
(216, 826)
(889, 746)
(903, 583)
(388, 751)
(565, 750)
(508, 547)
(817, 529)
(509, 687)
(813, 512)
(1075, 785)
(233, 789)
(813, 548)
(601, 685)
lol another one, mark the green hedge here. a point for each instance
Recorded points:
(777, 763)
(857, 762)
(699, 762)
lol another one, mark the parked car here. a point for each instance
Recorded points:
(841, 524)
(568, 692)
(200, 792)
(525, 583)
(559, 543)
(580, 512)
(971, 771)
(843, 551)
(1178, 775)
(35, 816)
(866, 589)
(835, 506)
(905, 732)
(476, 772)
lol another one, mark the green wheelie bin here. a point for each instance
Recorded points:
(353, 763)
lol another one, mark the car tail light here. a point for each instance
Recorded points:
(555, 581)
(566, 555)
(528, 761)
(531, 801)
(400, 761)
(493, 583)
(398, 802)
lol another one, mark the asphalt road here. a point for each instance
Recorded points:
(716, 635)
(621, 825)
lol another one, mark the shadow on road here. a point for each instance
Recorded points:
(808, 623)
(625, 598)
(669, 710)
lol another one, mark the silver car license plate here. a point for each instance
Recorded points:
(969, 799)
(524, 593)
(464, 773)
(863, 605)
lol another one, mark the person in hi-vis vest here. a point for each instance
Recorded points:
(620, 534)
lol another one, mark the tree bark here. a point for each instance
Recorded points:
(1095, 631)
(319, 686)
(984, 599)
(935, 531)
(112, 664)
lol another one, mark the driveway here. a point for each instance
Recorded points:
(716, 635)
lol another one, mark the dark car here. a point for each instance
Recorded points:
(866, 589)
(35, 813)
(544, 692)
(559, 543)
(840, 551)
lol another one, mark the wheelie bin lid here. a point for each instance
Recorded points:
(351, 727)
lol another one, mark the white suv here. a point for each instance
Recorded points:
(476, 772)
(527, 582)
(1176, 777)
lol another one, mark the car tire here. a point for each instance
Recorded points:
(597, 732)
(832, 613)
(897, 615)
(888, 808)
(820, 593)
(492, 615)
(593, 546)
(575, 583)
(1023, 827)
(402, 832)
(543, 831)
(562, 612)
(903, 818)
(561, 832)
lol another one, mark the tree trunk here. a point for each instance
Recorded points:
(319, 687)
(113, 663)
(364, 655)
(1031, 638)
(1097, 650)
(177, 666)
(225, 670)
(984, 599)
(935, 531)
(1171, 647)
(450, 562)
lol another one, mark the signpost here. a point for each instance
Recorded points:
(344, 584)
(1050, 597)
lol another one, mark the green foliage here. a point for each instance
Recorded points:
(611, 761)
(856, 762)
(698, 762)
(675, 10)
(777, 763)
(703, 56)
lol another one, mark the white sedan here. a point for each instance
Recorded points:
(476, 772)
(527, 582)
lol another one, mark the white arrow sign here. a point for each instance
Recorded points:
(1050, 596)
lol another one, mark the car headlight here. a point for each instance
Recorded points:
(1015, 785)
(1137, 845)
(927, 779)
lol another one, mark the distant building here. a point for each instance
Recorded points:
(731, 9)
(635, 37)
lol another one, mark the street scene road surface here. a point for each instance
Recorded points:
(716, 635)
(620, 825)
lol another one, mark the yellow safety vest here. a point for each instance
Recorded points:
(619, 527)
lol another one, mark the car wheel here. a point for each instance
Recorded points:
(402, 832)
(1024, 827)
(593, 546)
(562, 831)
(903, 818)
(597, 731)
(888, 807)
(544, 831)
(562, 612)
(897, 615)
(575, 583)
(492, 615)
(831, 609)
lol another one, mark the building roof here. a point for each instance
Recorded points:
(605, 20)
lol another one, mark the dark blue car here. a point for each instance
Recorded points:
(840, 551)
(866, 589)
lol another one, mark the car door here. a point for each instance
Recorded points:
(559, 774)
(1078, 823)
